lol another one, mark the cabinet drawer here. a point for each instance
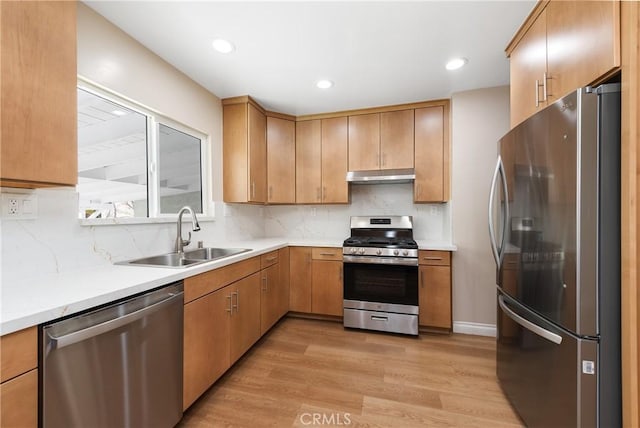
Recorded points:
(435, 258)
(19, 401)
(18, 353)
(199, 285)
(268, 259)
(326, 253)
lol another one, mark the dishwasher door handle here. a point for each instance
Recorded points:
(95, 330)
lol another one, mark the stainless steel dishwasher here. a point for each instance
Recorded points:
(116, 366)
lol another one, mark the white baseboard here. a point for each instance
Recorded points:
(474, 328)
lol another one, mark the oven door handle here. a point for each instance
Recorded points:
(397, 261)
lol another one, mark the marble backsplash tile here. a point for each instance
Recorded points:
(431, 221)
(56, 242)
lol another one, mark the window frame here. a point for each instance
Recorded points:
(153, 120)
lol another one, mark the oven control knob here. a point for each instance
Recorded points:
(405, 253)
(396, 252)
(353, 250)
(378, 251)
(361, 250)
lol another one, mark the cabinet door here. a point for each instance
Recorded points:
(300, 279)
(593, 29)
(396, 139)
(281, 161)
(19, 401)
(308, 162)
(257, 155)
(206, 343)
(245, 319)
(269, 304)
(326, 288)
(435, 296)
(431, 155)
(235, 153)
(335, 189)
(39, 100)
(528, 64)
(364, 142)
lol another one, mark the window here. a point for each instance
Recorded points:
(134, 163)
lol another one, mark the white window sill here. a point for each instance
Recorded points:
(133, 220)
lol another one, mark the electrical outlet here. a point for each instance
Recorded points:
(433, 210)
(13, 207)
(19, 206)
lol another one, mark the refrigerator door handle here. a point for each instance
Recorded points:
(546, 334)
(492, 234)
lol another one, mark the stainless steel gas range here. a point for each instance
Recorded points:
(381, 275)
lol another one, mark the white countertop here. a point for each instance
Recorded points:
(50, 297)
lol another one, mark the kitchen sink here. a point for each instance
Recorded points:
(188, 258)
(213, 253)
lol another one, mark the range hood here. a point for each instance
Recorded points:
(381, 176)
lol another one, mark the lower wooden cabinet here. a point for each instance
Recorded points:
(219, 326)
(326, 281)
(300, 279)
(316, 280)
(19, 375)
(245, 322)
(207, 334)
(274, 299)
(19, 401)
(435, 290)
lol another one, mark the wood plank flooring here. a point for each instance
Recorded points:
(307, 373)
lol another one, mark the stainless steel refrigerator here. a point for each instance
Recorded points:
(554, 225)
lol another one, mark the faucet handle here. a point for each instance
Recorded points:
(187, 241)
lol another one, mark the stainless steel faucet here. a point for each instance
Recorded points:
(181, 243)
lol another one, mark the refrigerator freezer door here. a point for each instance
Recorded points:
(549, 384)
(550, 163)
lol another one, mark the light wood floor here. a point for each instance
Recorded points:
(307, 373)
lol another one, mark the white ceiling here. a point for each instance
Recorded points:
(377, 53)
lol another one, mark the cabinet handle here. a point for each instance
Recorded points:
(236, 305)
(328, 254)
(230, 304)
(270, 192)
(384, 159)
(271, 259)
(340, 273)
(544, 86)
(431, 258)
(253, 190)
(264, 283)
(324, 193)
(537, 93)
(318, 196)
(237, 301)
(421, 281)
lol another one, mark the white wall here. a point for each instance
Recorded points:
(479, 119)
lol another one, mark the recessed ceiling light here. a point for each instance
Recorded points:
(223, 46)
(456, 63)
(119, 112)
(324, 84)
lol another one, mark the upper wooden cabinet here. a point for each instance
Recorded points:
(381, 140)
(244, 151)
(321, 161)
(281, 160)
(364, 142)
(432, 154)
(38, 94)
(562, 46)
